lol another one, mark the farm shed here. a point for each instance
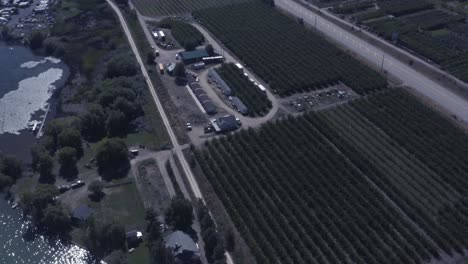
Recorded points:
(225, 124)
(239, 105)
(203, 98)
(189, 57)
(221, 83)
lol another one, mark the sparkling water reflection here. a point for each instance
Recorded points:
(20, 244)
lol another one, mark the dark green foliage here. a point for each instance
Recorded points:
(159, 252)
(150, 58)
(283, 53)
(104, 237)
(116, 102)
(10, 171)
(184, 7)
(214, 243)
(180, 213)
(70, 127)
(121, 66)
(402, 7)
(185, 34)
(96, 190)
(45, 167)
(46, 212)
(93, 123)
(70, 137)
(256, 100)
(298, 189)
(352, 7)
(85, 32)
(116, 123)
(209, 49)
(112, 158)
(67, 158)
(179, 73)
(36, 39)
(56, 219)
(435, 34)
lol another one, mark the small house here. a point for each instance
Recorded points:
(133, 238)
(81, 214)
(183, 247)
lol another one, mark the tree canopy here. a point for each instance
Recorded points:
(112, 158)
(180, 213)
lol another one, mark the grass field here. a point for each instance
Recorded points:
(283, 53)
(173, 7)
(379, 180)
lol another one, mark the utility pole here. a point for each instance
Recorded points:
(383, 59)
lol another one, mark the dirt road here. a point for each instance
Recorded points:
(177, 149)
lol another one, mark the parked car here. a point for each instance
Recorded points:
(77, 184)
(63, 188)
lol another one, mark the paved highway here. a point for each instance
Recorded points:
(442, 96)
(177, 149)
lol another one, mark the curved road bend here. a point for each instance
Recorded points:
(176, 147)
(442, 96)
(246, 121)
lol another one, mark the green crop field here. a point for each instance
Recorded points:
(256, 100)
(174, 7)
(380, 180)
(283, 53)
(184, 33)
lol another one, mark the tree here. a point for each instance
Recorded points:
(36, 39)
(179, 73)
(117, 257)
(104, 237)
(56, 219)
(180, 213)
(67, 159)
(112, 158)
(121, 66)
(11, 166)
(45, 167)
(190, 45)
(71, 137)
(34, 203)
(209, 49)
(37, 151)
(116, 123)
(5, 181)
(150, 57)
(96, 188)
(93, 125)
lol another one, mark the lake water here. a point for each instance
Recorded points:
(19, 244)
(27, 83)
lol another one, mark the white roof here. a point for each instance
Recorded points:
(261, 87)
(239, 66)
(155, 34)
(161, 33)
